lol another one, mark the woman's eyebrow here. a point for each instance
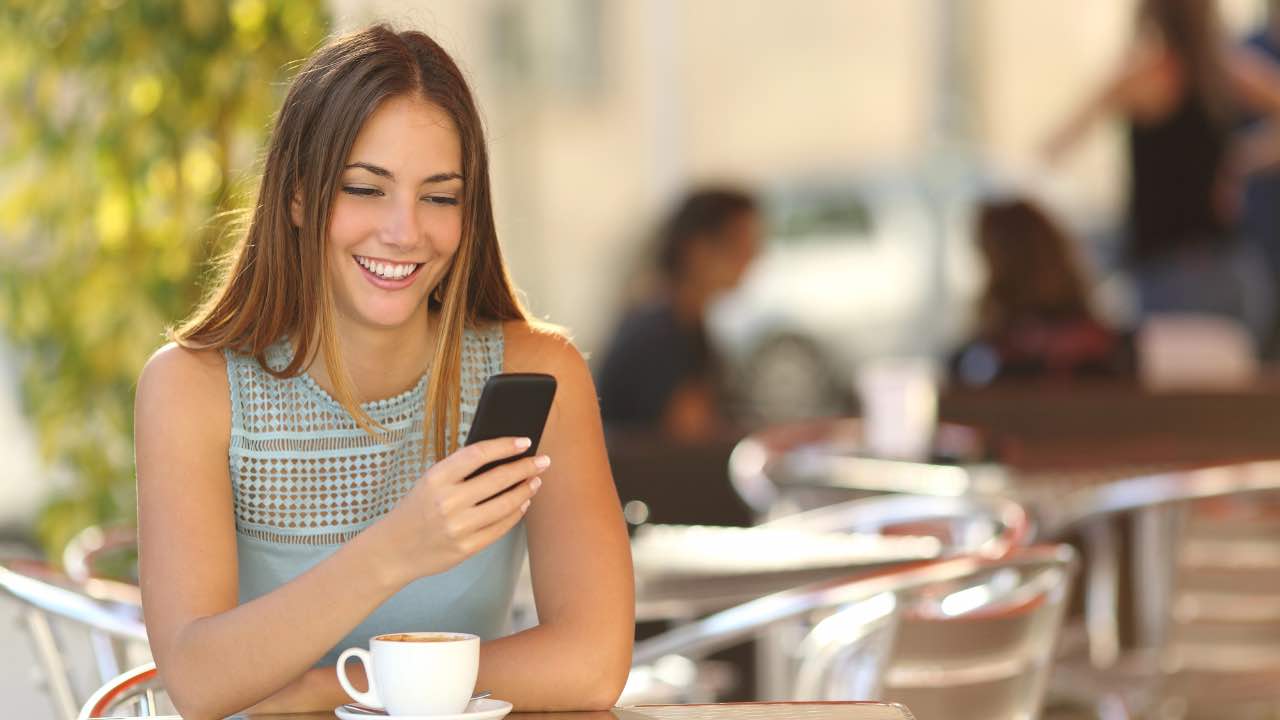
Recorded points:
(383, 172)
(442, 177)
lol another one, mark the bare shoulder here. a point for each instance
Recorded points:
(541, 347)
(182, 381)
(174, 364)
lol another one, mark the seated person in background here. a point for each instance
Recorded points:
(1034, 320)
(659, 371)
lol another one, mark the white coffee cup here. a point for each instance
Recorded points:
(416, 673)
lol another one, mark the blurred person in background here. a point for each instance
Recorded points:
(1181, 89)
(299, 469)
(1260, 216)
(1035, 319)
(659, 371)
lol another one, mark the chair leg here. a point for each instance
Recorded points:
(1155, 549)
(104, 656)
(1101, 612)
(57, 679)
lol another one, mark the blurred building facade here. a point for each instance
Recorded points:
(599, 112)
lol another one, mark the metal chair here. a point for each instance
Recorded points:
(683, 572)
(105, 615)
(985, 525)
(1206, 588)
(966, 634)
(801, 466)
(94, 546)
(137, 691)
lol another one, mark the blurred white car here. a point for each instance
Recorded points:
(852, 268)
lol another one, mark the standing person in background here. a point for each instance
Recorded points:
(1180, 88)
(1260, 216)
(659, 370)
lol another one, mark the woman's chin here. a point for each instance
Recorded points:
(391, 318)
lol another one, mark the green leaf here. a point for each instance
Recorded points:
(118, 171)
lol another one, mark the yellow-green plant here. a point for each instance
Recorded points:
(130, 131)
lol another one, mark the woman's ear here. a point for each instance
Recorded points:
(295, 209)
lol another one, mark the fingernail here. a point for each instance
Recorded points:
(542, 461)
(523, 443)
(525, 506)
(535, 484)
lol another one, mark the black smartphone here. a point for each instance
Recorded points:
(512, 405)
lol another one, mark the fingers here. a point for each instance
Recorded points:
(497, 516)
(484, 486)
(460, 464)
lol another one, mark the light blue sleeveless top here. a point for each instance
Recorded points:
(305, 478)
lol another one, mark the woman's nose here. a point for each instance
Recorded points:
(401, 226)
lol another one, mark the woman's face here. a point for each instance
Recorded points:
(396, 220)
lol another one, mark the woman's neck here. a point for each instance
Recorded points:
(689, 301)
(381, 362)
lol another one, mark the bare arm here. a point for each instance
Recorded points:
(1117, 94)
(579, 655)
(216, 657)
(691, 415)
(1255, 79)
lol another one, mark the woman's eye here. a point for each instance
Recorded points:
(441, 200)
(361, 191)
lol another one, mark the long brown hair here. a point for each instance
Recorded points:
(274, 283)
(1032, 271)
(1192, 32)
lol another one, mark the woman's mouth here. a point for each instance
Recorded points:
(387, 274)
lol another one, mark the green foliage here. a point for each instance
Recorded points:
(131, 129)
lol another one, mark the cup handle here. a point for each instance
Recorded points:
(365, 698)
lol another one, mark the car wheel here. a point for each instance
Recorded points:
(786, 380)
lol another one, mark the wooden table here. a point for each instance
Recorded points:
(1097, 429)
(725, 711)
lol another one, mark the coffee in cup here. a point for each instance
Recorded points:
(416, 673)
(419, 637)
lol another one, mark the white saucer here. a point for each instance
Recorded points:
(483, 709)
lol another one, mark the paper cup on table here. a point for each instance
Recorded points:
(899, 398)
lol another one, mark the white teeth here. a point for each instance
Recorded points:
(386, 271)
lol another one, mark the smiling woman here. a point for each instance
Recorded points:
(396, 222)
(300, 482)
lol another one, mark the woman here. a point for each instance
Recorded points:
(299, 472)
(1180, 88)
(660, 372)
(1035, 320)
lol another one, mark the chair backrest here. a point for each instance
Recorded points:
(93, 547)
(701, 569)
(1206, 589)
(137, 691)
(845, 653)
(81, 634)
(979, 648)
(971, 629)
(801, 466)
(986, 525)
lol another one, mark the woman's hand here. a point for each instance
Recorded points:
(446, 518)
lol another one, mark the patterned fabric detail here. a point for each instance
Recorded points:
(303, 472)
